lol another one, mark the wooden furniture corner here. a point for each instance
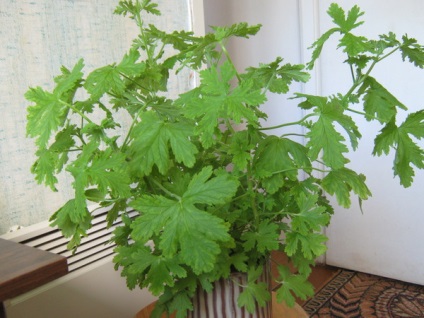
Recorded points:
(23, 268)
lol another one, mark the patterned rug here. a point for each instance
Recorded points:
(356, 295)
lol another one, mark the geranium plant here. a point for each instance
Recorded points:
(211, 198)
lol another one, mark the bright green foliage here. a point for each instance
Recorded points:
(265, 239)
(183, 228)
(378, 102)
(292, 285)
(212, 190)
(276, 77)
(407, 151)
(342, 182)
(254, 291)
(153, 140)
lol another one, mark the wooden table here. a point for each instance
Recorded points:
(278, 310)
(23, 268)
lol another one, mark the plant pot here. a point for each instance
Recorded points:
(222, 301)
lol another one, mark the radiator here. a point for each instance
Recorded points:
(91, 289)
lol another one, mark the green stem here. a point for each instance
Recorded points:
(364, 77)
(227, 55)
(292, 134)
(300, 168)
(77, 111)
(134, 122)
(365, 114)
(166, 190)
(131, 80)
(288, 124)
(252, 196)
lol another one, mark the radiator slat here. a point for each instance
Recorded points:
(95, 247)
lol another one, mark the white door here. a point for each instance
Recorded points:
(388, 238)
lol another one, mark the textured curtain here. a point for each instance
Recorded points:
(36, 38)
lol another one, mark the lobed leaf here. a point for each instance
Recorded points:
(412, 51)
(292, 285)
(45, 117)
(311, 216)
(407, 152)
(264, 239)
(255, 293)
(346, 23)
(379, 103)
(341, 182)
(193, 233)
(152, 138)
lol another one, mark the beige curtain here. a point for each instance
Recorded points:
(36, 38)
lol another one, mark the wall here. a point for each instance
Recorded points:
(37, 38)
(386, 239)
(280, 35)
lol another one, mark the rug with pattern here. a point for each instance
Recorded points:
(355, 295)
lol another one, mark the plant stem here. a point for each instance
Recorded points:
(289, 124)
(252, 196)
(77, 111)
(227, 55)
(292, 134)
(134, 122)
(365, 114)
(166, 190)
(364, 77)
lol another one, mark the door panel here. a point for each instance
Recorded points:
(388, 238)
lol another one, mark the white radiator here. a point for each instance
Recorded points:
(92, 289)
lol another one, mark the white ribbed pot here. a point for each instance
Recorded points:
(222, 301)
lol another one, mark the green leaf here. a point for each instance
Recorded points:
(309, 244)
(72, 221)
(323, 134)
(412, 51)
(183, 228)
(354, 45)
(318, 45)
(45, 117)
(129, 65)
(311, 216)
(379, 103)
(276, 77)
(292, 285)
(264, 238)
(277, 158)
(239, 261)
(152, 138)
(160, 271)
(239, 29)
(129, 7)
(181, 303)
(346, 23)
(324, 137)
(341, 182)
(407, 152)
(203, 189)
(107, 170)
(44, 168)
(240, 149)
(255, 293)
(103, 80)
(69, 80)
(216, 99)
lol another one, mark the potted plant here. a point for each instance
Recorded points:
(215, 193)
